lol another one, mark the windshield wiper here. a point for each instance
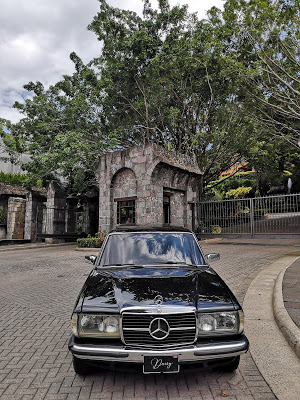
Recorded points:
(120, 265)
(175, 263)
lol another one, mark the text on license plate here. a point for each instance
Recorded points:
(161, 364)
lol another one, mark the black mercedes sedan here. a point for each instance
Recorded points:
(152, 301)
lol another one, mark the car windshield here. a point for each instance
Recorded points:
(151, 249)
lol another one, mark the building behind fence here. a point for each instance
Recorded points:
(273, 215)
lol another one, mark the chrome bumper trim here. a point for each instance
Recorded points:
(197, 352)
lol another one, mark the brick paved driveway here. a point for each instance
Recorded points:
(37, 291)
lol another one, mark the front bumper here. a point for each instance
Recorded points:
(204, 350)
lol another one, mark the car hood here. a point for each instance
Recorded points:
(117, 289)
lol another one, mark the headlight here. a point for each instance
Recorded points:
(226, 322)
(94, 325)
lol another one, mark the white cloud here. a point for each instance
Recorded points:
(37, 36)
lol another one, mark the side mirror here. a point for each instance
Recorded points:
(213, 256)
(92, 259)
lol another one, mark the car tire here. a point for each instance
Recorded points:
(80, 367)
(232, 365)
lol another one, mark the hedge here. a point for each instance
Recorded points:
(13, 178)
(89, 241)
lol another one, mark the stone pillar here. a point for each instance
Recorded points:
(105, 197)
(105, 212)
(33, 215)
(29, 231)
(30, 217)
(149, 205)
(16, 218)
(86, 219)
(54, 218)
(178, 206)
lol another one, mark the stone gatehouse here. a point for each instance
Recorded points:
(148, 185)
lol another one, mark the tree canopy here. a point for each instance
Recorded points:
(168, 79)
(221, 88)
(265, 34)
(62, 129)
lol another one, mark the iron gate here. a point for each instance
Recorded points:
(272, 215)
(58, 223)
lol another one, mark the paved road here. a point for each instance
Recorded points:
(38, 288)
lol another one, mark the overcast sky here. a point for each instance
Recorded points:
(37, 36)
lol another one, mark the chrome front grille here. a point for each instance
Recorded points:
(136, 329)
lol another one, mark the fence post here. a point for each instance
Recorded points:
(252, 217)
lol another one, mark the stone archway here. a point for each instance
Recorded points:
(172, 185)
(143, 174)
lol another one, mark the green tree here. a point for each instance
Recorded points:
(167, 78)
(189, 85)
(263, 49)
(265, 35)
(62, 130)
(274, 161)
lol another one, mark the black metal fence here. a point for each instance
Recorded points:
(56, 222)
(272, 215)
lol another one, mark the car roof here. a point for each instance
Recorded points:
(146, 228)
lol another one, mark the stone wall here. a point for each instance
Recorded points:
(9, 192)
(16, 218)
(124, 184)
(47, 211)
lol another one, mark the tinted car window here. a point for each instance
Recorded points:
(151, 248)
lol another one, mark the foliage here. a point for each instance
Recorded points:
(80, 222)
(95, 242)
(62, 130)
(167, 79)
(224, 88)
(265, 37)
(234, 183)
(219, 188)
(270, 160)
(273, 165)
(13, 178)
(20, 179)
(3, 215)
(238, 193)
(216, 229)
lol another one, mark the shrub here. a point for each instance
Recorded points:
(80, 222)
(18, 179)
(216, 229)
(238, 193)
(95, 242)
(13, 178)
(218, 189)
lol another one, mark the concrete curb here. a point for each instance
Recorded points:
(271, 352)
(88, 249)
(34, 247)
(286, 325)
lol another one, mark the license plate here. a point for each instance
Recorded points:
(161, 364)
